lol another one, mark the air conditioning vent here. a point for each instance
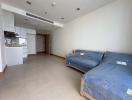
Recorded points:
(39, 18)
(28, 14)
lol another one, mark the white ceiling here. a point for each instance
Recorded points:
(63, 8)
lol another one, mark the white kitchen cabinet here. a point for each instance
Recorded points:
(8, 21)
(17, 30)
(14, 56)
(31, 43)
(23, 32)
(25, 52)
(31, 31)
(30, 36)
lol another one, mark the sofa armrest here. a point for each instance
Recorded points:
(70, 54)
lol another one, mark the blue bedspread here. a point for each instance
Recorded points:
(110, 81)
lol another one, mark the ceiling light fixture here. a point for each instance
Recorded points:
(78, 9)
(28, 14)
(46, 13)
(28, 2)
(62, 18)
(53, 4)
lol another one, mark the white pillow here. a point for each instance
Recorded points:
(129, 92)
(121, 63)
(81, 53)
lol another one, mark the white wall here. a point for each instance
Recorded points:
(40, 43)
(8, 21)
(3, 54)
(106, 29)
(31, 43)
(2, 45)
(0, 59)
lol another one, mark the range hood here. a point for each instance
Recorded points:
(9, 34)
(31, 15)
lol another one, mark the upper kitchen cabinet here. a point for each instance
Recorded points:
(17, 30)
(31, 31)
(22, 32)
(8, 21)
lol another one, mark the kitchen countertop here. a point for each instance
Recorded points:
(13, 45)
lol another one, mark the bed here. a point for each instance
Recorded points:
(111, 80)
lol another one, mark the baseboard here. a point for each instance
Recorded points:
(32, 54)
(58, 56)
(40, 52)
(2, 73)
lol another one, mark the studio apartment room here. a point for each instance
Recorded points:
(65, 50)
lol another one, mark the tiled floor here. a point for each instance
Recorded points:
(41, 78)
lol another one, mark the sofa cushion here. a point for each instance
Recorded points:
(116, 58)
(94, 54)
(84, 60)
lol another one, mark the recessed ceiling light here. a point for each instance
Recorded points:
(28, 2)
(46, 13)
(53, 4)
(78, 9)
(25, 19)
(53, 26)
